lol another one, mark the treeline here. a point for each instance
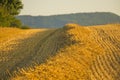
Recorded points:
(9, 9)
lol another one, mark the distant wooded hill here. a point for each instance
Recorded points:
(97, 18)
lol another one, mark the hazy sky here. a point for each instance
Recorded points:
(53, 7)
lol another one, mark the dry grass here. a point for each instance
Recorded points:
(73, 53)
(16, 45)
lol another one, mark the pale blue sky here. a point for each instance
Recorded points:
(53, 7)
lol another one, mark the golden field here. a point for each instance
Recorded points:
(73, 52)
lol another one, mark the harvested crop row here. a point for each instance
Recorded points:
(73, 52)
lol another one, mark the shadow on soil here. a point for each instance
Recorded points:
(38, 51)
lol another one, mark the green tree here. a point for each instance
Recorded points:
(15, 23)
(8, 10)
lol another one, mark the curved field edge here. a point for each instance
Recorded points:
(17, 48)
(78, 53)
(93, 53)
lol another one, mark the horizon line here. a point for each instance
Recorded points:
(68, 13)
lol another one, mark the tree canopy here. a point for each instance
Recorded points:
(8, 10)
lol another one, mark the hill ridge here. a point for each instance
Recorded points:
(85, 19)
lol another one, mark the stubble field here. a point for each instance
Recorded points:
(73, 52)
